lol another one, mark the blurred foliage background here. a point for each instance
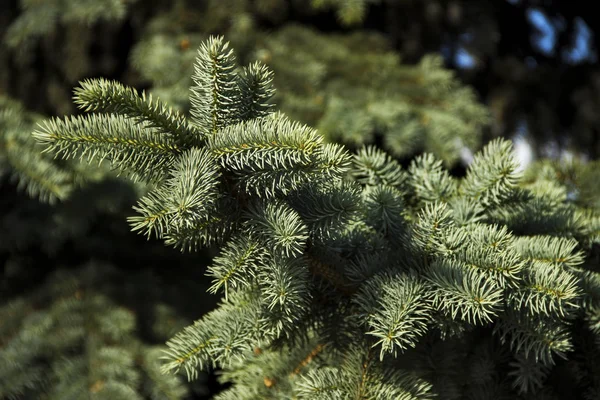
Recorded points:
(443, 76)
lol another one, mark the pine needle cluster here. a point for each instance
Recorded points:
(344, 275)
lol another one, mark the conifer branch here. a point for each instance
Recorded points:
(384, 209)
(256, 86)
(490, 250)
(214, 97)
(113, 97)
(547, 290)
(235, 267)
(492, 176)
(305, 361)
(184, 199)
(373, 167)
(538, 338)
(464, 293)
(432, 223)
(130, 148)
(557, 251)
(283, 284)
(279, 226)
(37, 173)
(325, 208)
(396, 311)
(429, 180)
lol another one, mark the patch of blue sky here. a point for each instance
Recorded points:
(545, 39)
(463, 59)
(581, 50)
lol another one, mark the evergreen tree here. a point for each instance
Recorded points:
(39, 18)
(346, 276)
(48, 46)
(68, 340)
